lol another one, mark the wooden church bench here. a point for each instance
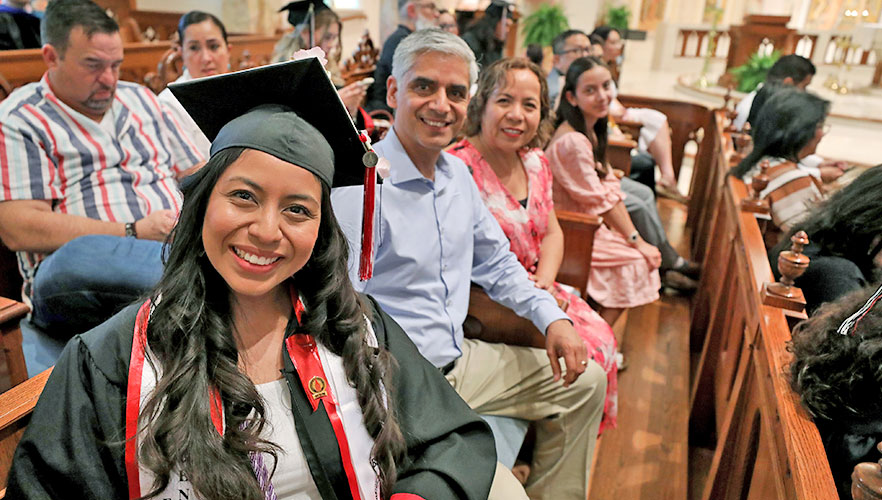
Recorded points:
(741, 404)
(16, 406)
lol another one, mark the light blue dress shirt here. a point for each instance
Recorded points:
(431, 240)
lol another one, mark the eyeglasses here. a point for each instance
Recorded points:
(447, 26)
(584, 51)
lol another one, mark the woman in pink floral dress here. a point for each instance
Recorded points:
(507, 118)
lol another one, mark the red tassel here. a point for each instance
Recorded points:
(366, 262)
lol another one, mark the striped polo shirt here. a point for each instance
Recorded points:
(118, 170)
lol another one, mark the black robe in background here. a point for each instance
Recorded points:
(73, 447)
(18, 29)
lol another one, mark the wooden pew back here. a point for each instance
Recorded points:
(686, 120)
(741, 404)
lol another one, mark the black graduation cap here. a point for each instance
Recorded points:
(496, 8)
(290, 110)
(297, 10)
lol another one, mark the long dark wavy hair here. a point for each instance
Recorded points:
(191, 338)
(839, 377)
(566, 112)
(849, 223)
(785, 123)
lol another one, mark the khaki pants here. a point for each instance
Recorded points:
(498, 379)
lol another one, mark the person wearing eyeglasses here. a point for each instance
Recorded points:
(567, 47)
(413, 15)
(447, 22)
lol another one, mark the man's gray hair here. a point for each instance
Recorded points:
(431, 40)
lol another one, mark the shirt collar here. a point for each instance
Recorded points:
(403, 168)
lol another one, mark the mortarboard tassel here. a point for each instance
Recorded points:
(366, 260)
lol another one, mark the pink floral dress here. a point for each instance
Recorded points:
(525, 229)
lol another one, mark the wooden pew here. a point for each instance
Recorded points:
(618, 154)
(499, 324)
(764, 444)
(11, 315)
(686, 120)
(16, 406)
(21, 67)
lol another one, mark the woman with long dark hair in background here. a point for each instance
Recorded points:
(624, 267)
(789, 125)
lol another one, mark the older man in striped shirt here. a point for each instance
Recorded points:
(89, 170)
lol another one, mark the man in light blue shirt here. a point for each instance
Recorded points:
(434, 236)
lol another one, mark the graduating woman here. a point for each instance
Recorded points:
(254, 370)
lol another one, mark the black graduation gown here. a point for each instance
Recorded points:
(74, 444)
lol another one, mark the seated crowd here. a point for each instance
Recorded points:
(223, 243)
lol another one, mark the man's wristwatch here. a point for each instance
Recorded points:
(130, 230)
(632, 238)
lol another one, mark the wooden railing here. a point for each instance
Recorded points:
(741, 405)
(692, 42)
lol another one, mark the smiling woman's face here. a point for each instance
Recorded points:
(512, 113)
(261, 223)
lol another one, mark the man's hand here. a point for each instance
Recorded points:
(156, 226)
(561, 340)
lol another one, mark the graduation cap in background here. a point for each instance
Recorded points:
(292, 111)
(497, 8)
(297, 11)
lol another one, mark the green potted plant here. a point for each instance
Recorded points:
(618, 18)
(544, 24)
(750, 74)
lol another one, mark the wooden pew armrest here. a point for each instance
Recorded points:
(579, 230)
(16, 406)
(498, 323)
(618, 154)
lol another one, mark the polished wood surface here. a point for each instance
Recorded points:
(645, 456)
(11, 315)
(578, 231)
(745, 39)
(16, 406)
